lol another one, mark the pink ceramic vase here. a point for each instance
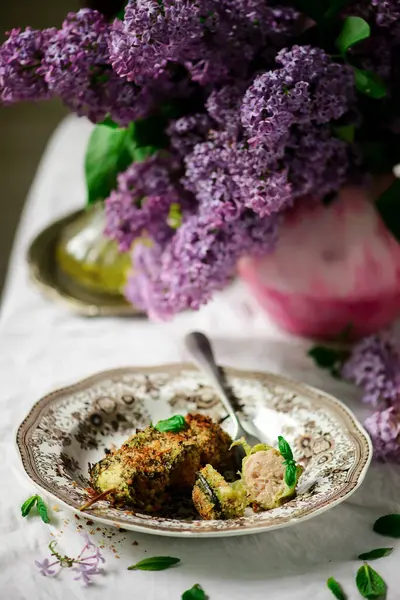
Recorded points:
(334, 265)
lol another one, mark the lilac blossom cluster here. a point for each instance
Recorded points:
(252, 121)
(374, 365)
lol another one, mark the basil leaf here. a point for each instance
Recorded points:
(285, 449)
(195, 593)
(107, 155)
(388, 205)
(354, 30)
(336, 589)
(28, 505)
(174, 424)
(388, 525)
(156, 563)
(369, 583)
(290, 474)
(369, 83)
(377, 553)
(42, 510)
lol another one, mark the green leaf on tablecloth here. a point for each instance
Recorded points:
(156, 563)
(374, 554)
(175, 424)
(369, 583)
(389, 525)
(325, 357)
(354, 30)
(28, 505)
(388, 205)
(336, 589)
(42, 510)
(195, 593)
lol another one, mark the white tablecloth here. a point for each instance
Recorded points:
(42, 346)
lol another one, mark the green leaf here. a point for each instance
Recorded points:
(369, 83)
(174, 219)
(290, 473)
(42, 510)
(110, 123)
(345, 133)
(377, 553)
(336, 589)
(388, 525)
(156, 563)
(175, 424)
(107, 155)
(388, 205)
(325, 357)
(354, 30)
(285, 449)
(28, 505)
(369, 583)
(195, 593)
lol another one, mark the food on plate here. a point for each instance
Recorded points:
(215, 498)
(147, 464)
(152, 463)
(213, 441)
(270, 478)
(191, 454)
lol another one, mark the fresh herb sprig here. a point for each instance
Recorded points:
(40, 507)
(195, 593)
(291, 468)
(375, 554)
(369, 583)
(155, 563)
(336, 589)
(174, 424)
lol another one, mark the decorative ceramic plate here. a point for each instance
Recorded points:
(56, 285)
(74, 426)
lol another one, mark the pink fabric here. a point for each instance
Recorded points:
(334, 265)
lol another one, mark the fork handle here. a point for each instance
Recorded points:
(200, 349)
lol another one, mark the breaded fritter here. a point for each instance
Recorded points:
(145, 467)
(213, 441)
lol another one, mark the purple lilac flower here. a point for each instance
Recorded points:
(223, 105)
(384, 429)
(199, 260)
(374, 365)
(45, 567)
(186, 132)
(387, 12)
(317, 162)
(21, 56)
(227, 177)
(142, 201)
(309, 87)
(76, 68)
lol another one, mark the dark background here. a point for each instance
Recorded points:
(25, 128)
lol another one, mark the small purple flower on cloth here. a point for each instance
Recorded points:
(85, 565)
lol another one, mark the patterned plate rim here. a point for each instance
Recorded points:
(347, 419)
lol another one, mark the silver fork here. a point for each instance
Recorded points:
(199, 347)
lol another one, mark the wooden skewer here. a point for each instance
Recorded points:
(97, 498)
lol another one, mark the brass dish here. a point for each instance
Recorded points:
(46, 274)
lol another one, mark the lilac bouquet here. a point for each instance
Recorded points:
(213, 117)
